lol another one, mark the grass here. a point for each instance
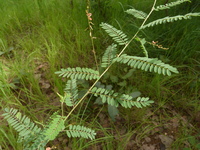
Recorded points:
(38, 38)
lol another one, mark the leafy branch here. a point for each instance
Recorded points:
(136, 13)
(80, 131)
(114, 99)
(147, 64)
(109, 55)
(79, 73)
(117, 35)
(170, 19)
(169, 5)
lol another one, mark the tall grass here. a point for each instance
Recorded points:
(44, 32)
(43, 37)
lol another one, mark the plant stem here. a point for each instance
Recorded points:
(62, 108)
(111, 63)
(89, 18)
(138, 29)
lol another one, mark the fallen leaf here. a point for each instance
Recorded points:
(148, 147)
(166, 140)
(147, 139)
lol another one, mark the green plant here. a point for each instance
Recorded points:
(194, 143)
(36, 137)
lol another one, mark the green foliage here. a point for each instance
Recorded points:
(22, 124)
(71, 93)
(54, 127)
(142, 42)
(136, 13)
(28, 131)
(117, 35)
(107, 96)
(194, 143)
(170, 19)
(169, 5)
(114, 99)
(109, 55)
(147, 64)
(38, 144)
(79, 73)
(34, 137)
(139, 103)
(80, 131)
(113, 112)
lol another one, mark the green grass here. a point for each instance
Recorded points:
(40, 37)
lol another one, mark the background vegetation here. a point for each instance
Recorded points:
(38, 38)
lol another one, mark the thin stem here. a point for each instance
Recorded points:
(138, 29)
(93, 49)
(89, 18)
(62, 109)
(111, 63)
